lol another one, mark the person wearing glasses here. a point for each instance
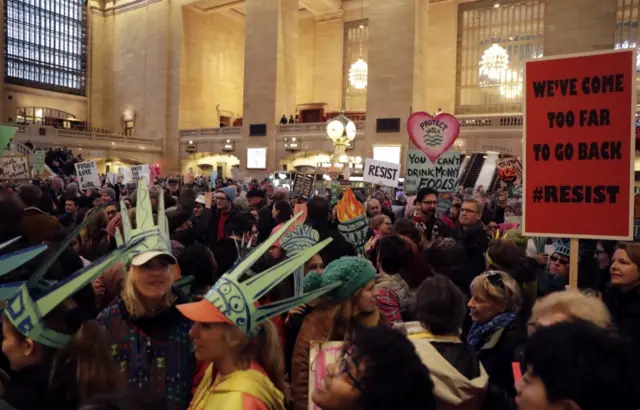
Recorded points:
(496, 332)
(378, 369)
(556, 276)
(225, 209)
(471, 234)
(426, 216)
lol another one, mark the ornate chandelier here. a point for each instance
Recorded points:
(494, 62)
(358, 73)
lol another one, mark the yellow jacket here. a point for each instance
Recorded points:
(242, 390)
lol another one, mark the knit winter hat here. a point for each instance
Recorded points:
(353, 272)
(230, 192)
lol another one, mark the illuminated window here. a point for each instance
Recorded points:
(45, 44)
(493, 45)
(627, 34)
(37, 115)
(355, 60)
(387, 153)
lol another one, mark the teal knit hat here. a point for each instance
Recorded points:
(353, 272)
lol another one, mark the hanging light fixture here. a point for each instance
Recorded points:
(359, 70)
(358, 74)
(494, 62)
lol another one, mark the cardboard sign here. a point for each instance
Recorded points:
(510, 174)
(303, 185)
(433, 135)
(579, 146)
(38, 162)
(125, 173)
(111, 178)
(320, 356)
(14, 167)
(88, 176)
(381, 173)
(139, 172)
(421, 172)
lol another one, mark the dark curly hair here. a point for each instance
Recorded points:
(394, 376)
(440, 306)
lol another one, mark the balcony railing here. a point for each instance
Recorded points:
(490, 122)
(42, 134)
(210, 132)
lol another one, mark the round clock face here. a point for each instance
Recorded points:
(351, 130)
(335, 128)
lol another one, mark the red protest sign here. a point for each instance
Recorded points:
(579, 145)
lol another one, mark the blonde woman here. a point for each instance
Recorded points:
(568, 305)
(496, 333)
(336, 317)
(149, 338)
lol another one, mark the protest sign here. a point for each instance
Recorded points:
(88, 176)
(381, 173)
(321, 355)
(433, 135)
(125, 173)
(111, 178)
(139, 172)
(579, 145)
(510, 174)
(14, 167)
(422, 173)
(38, 163)
(303, 185)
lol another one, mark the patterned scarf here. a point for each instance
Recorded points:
(481, 332)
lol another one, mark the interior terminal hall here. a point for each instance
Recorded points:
(251, 85)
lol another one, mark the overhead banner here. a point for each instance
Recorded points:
(381, 173)
(139, 172)
(88, 176)
(14, 167)
(579, 145)
(422, 173)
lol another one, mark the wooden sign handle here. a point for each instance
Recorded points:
(573, 264)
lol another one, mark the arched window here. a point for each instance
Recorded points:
(45, 44)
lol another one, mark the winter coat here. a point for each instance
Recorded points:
(625, 311)
(241, 390)
(498, 352)
(398, 285)
(460, 381)
(36, 225)
(475, 242)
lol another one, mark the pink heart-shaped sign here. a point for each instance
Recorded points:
(433, 135)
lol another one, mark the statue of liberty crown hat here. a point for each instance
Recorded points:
(33, 299)
(156, 240)
(234, 301)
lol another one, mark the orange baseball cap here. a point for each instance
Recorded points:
(203, 312)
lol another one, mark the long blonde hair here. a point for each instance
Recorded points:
(264, 348)
(131, 297)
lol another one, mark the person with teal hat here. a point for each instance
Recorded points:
(233, 332)
(336, 317)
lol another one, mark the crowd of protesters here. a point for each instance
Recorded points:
(445, 309)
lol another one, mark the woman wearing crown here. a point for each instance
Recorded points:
(149, 338)
(59, 358)
(236, 336)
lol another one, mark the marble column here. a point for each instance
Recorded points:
(269, 73)
(397, 67)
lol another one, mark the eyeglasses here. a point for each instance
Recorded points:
(559, 260)
(467, 210)
(429, 202)
(495, 278)
(221, 198)
(347, 361)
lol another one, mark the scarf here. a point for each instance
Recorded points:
(481, 332)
